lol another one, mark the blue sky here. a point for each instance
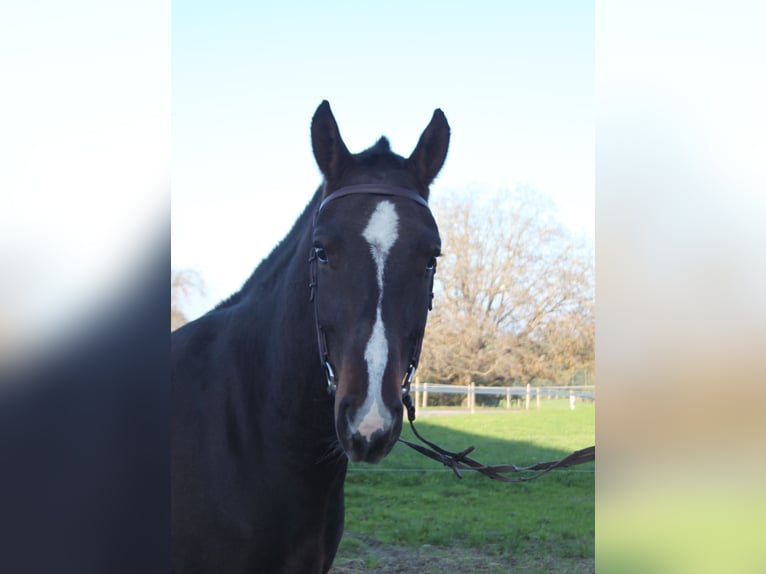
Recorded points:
(515, 80)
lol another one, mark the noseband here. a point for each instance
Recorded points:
(324, 355)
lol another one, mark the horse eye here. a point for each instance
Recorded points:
(431, 264)
(320, 253)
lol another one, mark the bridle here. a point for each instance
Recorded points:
(457, 461)
(324, 354)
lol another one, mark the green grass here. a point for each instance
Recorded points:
(409, 500)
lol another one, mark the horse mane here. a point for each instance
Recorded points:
(380, 151)
(284, 250)
(382, 145)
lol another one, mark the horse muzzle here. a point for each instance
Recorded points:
(369, 432)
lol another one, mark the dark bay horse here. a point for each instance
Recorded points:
(300, 371)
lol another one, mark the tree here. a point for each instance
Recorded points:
(514, 293)
(183, 284)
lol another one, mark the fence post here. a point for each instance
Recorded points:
(527, 398)
(537, 396)
(472, 396)
(417, 391)
(507, 397)
(425, 395)
(571, 400)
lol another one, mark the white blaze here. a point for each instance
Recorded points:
(381, 233)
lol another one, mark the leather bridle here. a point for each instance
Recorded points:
(457, 461)
(324, 355)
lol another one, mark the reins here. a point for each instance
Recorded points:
(457, 461)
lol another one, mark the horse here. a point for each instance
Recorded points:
(302, 370)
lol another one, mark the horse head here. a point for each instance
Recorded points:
(374, 250)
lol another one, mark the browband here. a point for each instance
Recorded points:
(376, 189)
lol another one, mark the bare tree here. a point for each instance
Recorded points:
(514, 292)
(183, 284)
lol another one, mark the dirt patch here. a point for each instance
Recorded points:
(367, 554)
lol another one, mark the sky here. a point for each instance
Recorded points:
(515, 80)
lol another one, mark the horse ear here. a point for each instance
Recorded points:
(431, 151)
(330, 152)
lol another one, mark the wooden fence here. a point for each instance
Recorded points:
(517, 394)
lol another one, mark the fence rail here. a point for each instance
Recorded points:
(511, 394)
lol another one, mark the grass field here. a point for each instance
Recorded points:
(411, 514)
